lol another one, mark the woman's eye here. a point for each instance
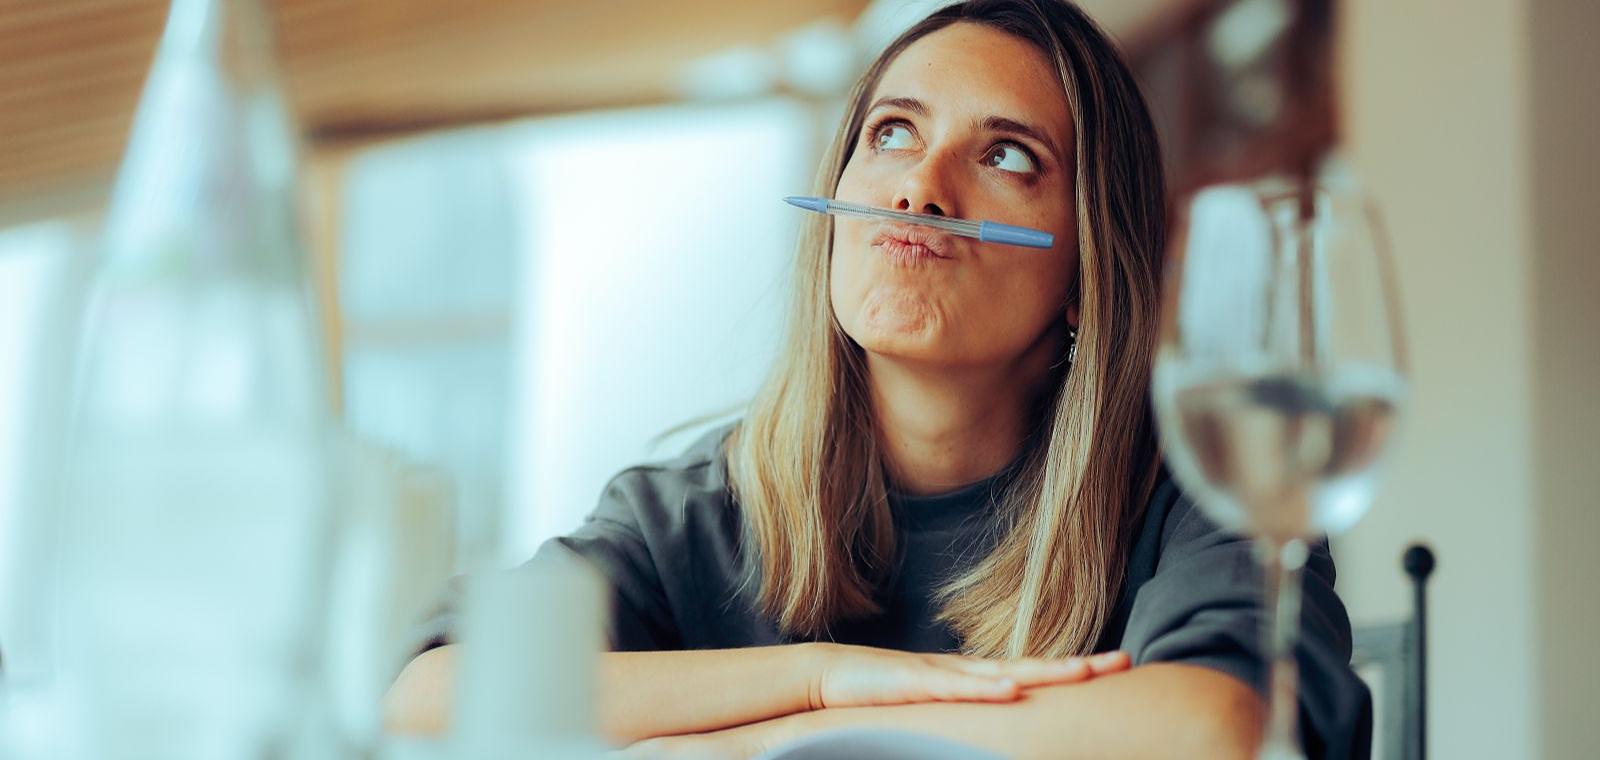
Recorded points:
(1010, 158)
(892, 137)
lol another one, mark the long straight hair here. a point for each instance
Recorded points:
(805, 464)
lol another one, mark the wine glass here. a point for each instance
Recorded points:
(1278, 381)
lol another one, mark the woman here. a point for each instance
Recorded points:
(947, 495)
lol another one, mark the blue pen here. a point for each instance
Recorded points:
(988, 232)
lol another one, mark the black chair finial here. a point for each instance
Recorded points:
(1419, 563)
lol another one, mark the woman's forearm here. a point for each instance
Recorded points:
(642, 694)
(1154, 711)
(645, 694)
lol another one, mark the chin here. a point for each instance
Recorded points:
(904, 349)
(903, 339)
(893, 315)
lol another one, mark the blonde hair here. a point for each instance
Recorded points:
(804, 463)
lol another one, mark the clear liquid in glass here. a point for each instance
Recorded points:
(1282, 454)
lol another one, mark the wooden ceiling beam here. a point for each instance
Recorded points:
(71, 70)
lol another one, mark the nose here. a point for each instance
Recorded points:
(924, 189)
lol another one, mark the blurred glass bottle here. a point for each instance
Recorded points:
(195, 525)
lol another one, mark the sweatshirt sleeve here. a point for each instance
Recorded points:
(1204, 606)
(611, 540)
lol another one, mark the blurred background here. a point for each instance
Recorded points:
(542, 234)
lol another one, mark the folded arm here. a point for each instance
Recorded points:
(1154, 711)
(645, 694)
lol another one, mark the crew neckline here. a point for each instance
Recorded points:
(942, 511)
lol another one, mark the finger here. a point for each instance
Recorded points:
(1081, 668)
(1027, 672)
(1045, 672)
(1110, 662)
(978, 666)
(944, 685)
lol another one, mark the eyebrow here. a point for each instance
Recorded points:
(988, 123)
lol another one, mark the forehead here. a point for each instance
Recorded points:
(968, 69)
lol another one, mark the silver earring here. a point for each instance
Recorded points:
(1072, 351)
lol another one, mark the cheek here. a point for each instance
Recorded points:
(849, 235)
(1056, 216)
(836, 281)
(848, 263)
(1055, 281)
(1022, 301)
(844, 281)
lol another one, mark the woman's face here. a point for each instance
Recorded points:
(968, 122)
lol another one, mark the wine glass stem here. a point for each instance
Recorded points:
(1282, 561)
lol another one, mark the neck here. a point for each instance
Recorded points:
(942, 428)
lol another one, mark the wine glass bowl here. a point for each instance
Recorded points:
(1287, 454)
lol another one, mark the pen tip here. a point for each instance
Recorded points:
(807, 203)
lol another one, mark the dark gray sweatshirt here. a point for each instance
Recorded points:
(668, 537)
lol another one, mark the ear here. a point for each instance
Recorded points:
(1072, 314)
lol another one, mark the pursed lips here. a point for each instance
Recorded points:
(911, 242)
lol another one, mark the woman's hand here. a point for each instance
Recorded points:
(857, 676)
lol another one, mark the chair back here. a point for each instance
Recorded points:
(1393, 660)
